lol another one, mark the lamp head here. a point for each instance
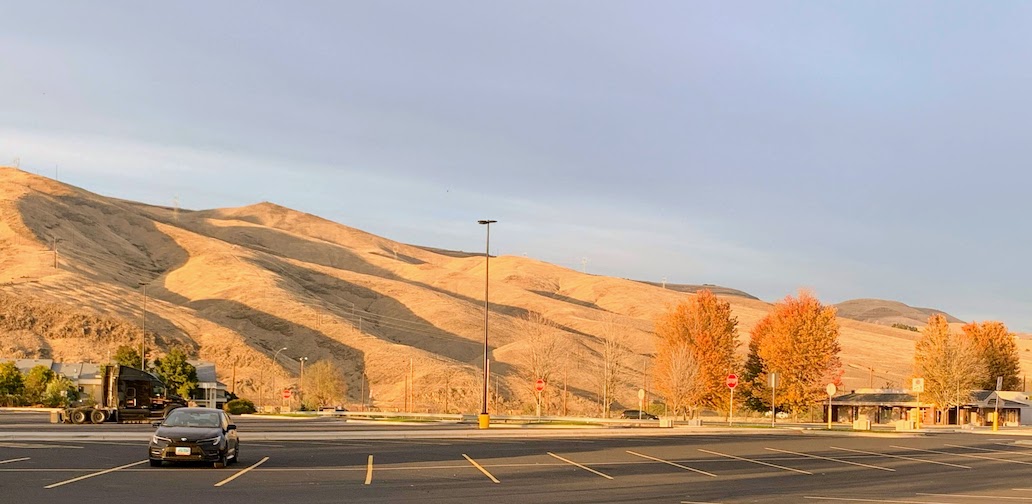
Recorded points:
(486, 221)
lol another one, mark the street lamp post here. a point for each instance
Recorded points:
(301, 384)
(485, 419)
(261, 381)
(143, 337)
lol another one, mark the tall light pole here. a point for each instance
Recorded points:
(485, 419)
(301, 385)
(143, 337)
(261, 381)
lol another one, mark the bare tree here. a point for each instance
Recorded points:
(612, 354)
(324, 384)
(541, 358)
(679, 378)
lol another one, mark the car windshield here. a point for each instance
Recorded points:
(179, 418)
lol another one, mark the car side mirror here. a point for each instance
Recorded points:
(231, 427)
(156, 423)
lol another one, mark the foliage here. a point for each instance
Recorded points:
(12, 385)
(324, 385)
(541, 358)
(679, 376)
(59, 392)
(178, 375)
(900, 325)
(127, 355)
(948, 362)
(704, 323)
(240, 407)
(998, 352)
(798, 340)
(36, 381)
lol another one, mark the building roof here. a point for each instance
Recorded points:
(877, 398)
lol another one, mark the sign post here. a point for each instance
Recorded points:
(732, 382)
(917, 385)
(539, 385)
(831, 391)
(641, 401)
(772, 378)
(996, 414)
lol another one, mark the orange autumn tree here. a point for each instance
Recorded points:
(798, 340)
(949, 363)
(998, 352)
(698, 333)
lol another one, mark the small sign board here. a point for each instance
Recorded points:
(999, 383)
(772, 379)
(831, 389)
(917, 385)
(539, 385)
(732, 380)
(641, 394)
(286, 393)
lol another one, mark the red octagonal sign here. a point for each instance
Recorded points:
(539, 385)
(732, 380)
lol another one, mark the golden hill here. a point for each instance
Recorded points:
(235, 285)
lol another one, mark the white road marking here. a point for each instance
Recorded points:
(975, 496)
(241, 473)
(478, 466)
(980, 457)
(80, 478)
(35, 445)
(369, 471)
(581, 466)
(886, 501)
(14, 460)
(636, 454)
(987, 449)
(698, 502)
(936, 462)
(756, 462)
(833, 459)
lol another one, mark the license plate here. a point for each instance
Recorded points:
(182, 450)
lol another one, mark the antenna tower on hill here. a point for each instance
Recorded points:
(175, 208)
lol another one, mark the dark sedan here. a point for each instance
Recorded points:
(195, 435)
(638, 415)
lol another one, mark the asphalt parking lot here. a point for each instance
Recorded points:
(697, 468)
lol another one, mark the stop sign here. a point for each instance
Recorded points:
(732, 380)
(539, 385)
(286, 393)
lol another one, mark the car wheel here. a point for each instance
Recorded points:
(236, 453)
(221, 462)
(79, 417)
(98, 416)
(155, 463)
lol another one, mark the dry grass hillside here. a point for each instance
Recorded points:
(235, 285)
(880, 311)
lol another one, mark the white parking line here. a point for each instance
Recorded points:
(987, 449)
(478, 466)
(756, 462)
(586, 468)
(980, 457)
(833, 459)
(369, 471)
(14, 460)
(976, 496)
(36, 446)
(241, 473)
(80, 478)
(636, 454)
(886, 501)
(902, 457)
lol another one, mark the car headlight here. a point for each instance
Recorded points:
(214, 441)
(158, 440)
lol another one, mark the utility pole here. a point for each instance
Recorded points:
(143, 337)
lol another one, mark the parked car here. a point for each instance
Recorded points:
(634, 414)
(195, 435)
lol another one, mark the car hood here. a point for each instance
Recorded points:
(190, 433)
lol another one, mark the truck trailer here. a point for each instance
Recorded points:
(125, 395)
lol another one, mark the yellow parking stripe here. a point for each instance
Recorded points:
(478, 466)
(369, 471)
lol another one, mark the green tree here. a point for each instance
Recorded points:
(127, 355)
(999, 353)
(704, 323)
(36, 381)
(324, 385)
(177, 374)
(948, 362)
(60, 391)
(798, 340)
(12, 385)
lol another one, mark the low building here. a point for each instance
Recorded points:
(210, 391)
(887, 406)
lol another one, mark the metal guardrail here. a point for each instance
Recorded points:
(472, 418)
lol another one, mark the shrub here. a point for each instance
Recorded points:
(899, 325)
(240, 406)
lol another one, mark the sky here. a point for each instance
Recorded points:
(856, 149)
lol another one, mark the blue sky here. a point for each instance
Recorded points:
(863, 149)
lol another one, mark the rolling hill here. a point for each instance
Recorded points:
(235, 285)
